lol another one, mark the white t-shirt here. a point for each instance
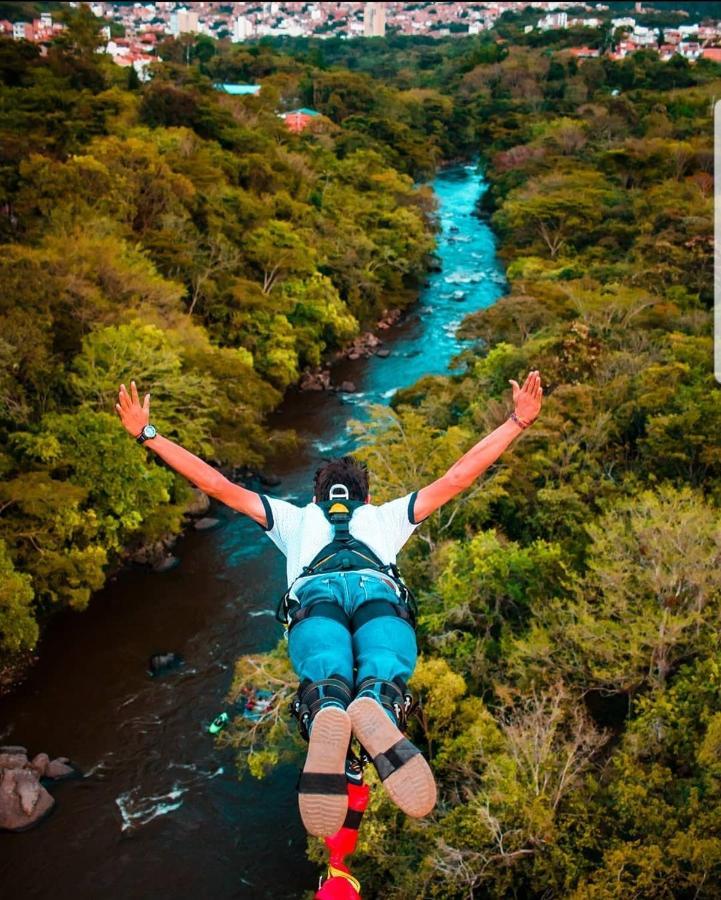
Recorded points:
(300, 532)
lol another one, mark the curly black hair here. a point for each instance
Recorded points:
(345, 470)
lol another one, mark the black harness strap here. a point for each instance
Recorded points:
(321, 607)
(396, 756)
(353, 819)
(313, 695)
(322, 783)
(346, 553)
(375, 608)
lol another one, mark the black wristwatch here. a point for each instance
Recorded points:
(149, 431)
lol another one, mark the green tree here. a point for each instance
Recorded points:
(18, 628)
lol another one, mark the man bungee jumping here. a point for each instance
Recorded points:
(350, 617)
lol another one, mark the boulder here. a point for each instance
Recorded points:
(28, 788)
(166, 563)
(160, 663)
(205, 523)
(40, 764)
(347, 387)
(383, 353)
(199, 505)
(155, 552)
(59, 768)
(389, 317)
(13, 757)
(23, 800)
(318, 380)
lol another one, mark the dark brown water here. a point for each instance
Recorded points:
(160, 811)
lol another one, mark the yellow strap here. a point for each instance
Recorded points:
(339, 873)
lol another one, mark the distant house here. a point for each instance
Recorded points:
(712, 53)
(238, 90)
(690, 49)
(299, 119)
(584, 52)
(141, 62)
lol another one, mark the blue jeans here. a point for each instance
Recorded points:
(384, 647)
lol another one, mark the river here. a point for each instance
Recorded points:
(159, 809)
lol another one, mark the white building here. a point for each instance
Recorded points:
(553, 20)
(242, 29)
(689, 49)
(184, 21)
(374, 20)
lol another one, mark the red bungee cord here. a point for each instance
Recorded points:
(339, 883)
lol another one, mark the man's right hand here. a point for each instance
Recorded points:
(133, 416)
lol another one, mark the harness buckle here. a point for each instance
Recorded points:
(283, 610)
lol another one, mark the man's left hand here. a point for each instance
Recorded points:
(527, 399)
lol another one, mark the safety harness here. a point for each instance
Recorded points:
(345, 553)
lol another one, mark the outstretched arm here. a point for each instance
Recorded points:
(462, 474)
(134, 417)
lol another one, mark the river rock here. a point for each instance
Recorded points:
(23, 799)
(28, 788)
(383, 353)
(160, 663)
(154, 553)
(60, 768)
(13, 757)
(365, 345)
(199, 505)
(389, 317)
(205, 523)
(21, 804)
(318, 380)
(347, 387)
(166, 563)
(40, 764)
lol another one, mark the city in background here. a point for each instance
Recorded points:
(134, 32)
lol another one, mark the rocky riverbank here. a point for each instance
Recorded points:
(364, 346)
(24, 799)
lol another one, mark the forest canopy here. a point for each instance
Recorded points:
(570, 606)
(569, 610)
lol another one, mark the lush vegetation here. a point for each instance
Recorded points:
(571, 603)
(570, 680)
(185, 238)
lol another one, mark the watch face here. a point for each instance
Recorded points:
(149, 431)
